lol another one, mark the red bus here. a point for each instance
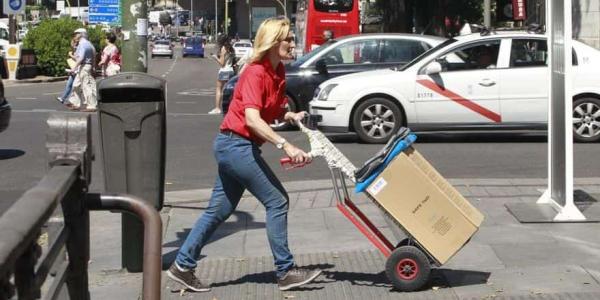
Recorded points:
(315, 16)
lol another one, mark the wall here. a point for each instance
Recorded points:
(586, 21)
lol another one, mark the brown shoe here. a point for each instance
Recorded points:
(296, 277)
(187, 278)
(72, 107)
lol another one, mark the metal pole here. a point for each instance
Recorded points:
(487, 20)
(78, 10)
(192, 14)
(226, 19)
(216, 20)
(152, 235)
(135, 30)
(250, 19)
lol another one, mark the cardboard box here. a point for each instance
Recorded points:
(428, 207)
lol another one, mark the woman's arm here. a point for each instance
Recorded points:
(221, 58)
(259, 127)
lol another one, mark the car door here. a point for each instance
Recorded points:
(466, 89)
(346, 58)
(524, 84)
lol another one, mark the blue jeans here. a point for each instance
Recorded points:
(241, 167)
(68, 88)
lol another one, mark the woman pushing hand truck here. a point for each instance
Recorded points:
(259, 98)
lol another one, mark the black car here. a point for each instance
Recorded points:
(5, 110)
(350, 54)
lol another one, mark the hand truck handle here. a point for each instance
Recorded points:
(287, 160)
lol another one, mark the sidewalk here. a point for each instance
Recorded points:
(504, 260)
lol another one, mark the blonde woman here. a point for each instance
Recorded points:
(258, 99)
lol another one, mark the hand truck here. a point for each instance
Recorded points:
(408, 265)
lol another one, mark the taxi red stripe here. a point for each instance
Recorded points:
(460, 100)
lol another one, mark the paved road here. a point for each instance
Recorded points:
(190, 163)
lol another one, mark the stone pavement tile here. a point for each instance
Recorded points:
(115, 284)
(594, 270)
(513, 234)
(531, 190)
(527, 281)
(494, 210)
(475, 256)
(463, 190)
(543, 254)
(477, 191)
(592, 189)
(528, 181)
(303, 200)
(502, 191)
(249, 204)
(323, 198)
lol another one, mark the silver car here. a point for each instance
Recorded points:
(162, 48)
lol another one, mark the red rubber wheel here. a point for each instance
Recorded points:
(408, 268)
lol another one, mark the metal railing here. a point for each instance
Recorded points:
(24, 265)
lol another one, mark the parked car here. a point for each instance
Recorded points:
(193, 46)
(242, 47)
(162, 48)
(478, 82)
(5, 110)
(350, 54)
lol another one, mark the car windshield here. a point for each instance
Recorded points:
(162, 42)
(425, 54)
(302, 59)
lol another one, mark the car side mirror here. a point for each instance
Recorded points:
(321, 66)
(433, 67)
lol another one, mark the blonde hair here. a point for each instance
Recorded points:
(270, 32)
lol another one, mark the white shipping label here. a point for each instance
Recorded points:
(377, 186)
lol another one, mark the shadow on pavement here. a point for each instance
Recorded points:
(488, 137)
(244, 221)
(269, 278)
(456, 278)
(10, 153)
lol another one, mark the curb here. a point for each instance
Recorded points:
(194, 195)
(38, 80)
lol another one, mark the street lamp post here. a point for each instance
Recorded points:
(216, 20)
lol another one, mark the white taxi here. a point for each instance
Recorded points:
(497, 81)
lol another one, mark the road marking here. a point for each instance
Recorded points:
(185, 102)
(48, 94)
(199, 92)
(460, 100)
(170, 68)
(25, 98)
(189, 114)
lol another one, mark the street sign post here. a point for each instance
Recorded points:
(105, 11)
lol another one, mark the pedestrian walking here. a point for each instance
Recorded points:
(111, 57)
(84, 85)
(71, 63)
(225, 60)
(258, 100)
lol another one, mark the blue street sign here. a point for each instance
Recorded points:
(104, 10)
(104, 2)
(111, 19)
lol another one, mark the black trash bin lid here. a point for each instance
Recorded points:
(131, 87)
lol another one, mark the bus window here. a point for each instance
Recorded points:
(333, 5)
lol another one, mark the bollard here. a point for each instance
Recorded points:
(132, 131)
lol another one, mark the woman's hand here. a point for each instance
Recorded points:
(296, 154)
(293, 117)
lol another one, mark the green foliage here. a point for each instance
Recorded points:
(51, 41)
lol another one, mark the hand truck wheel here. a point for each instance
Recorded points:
(408, 268)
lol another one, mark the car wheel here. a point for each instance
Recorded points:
(280, 125)
(586, 120)
(171, 57)
(376, 120)
(183, 55)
